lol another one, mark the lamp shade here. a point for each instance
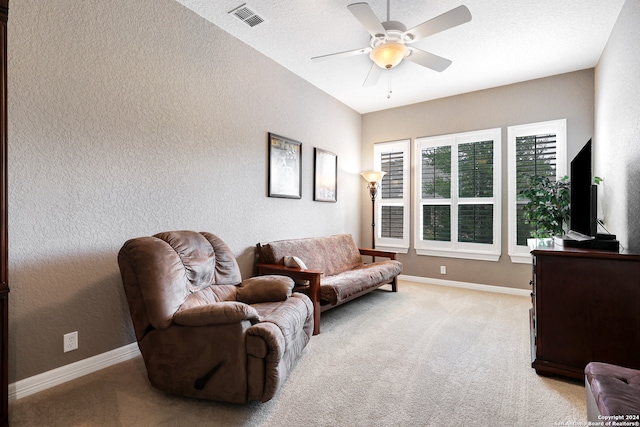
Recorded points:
(373, 176)
(388, 55)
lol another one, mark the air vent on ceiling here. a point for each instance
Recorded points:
(246, 15)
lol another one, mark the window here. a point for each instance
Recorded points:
(392, 203)
(533, 149)
(458, 195)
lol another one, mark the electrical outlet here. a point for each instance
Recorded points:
(443, 269)
(70, 341)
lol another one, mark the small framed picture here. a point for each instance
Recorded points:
(325, 178)
(285, 167)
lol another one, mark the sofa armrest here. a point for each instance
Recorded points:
(313, 276)
(377, 252)
(219, 313)
(269, 288)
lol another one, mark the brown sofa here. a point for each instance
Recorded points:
(204, 332)
(335, 271)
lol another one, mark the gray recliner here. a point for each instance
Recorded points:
(204, 332)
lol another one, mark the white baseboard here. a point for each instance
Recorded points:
(466, 285)
(61, 375)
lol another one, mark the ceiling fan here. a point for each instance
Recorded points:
(390, 40)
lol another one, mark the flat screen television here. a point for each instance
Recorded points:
(584, 215)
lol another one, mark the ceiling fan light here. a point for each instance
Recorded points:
(388, 55)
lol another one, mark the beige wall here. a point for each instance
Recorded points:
(617, 134)
(127, 118)
(567, 96)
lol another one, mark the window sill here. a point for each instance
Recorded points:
(521, 258)
(479, 256)
(396, 249)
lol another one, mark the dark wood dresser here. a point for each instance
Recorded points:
(586, 307)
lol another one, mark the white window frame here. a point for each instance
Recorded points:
(389, 244)
(455, 249)
(522, 253)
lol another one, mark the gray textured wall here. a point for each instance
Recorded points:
(617, 136)
(567, 96)
(127, 118)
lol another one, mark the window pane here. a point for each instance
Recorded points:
(535, 155)
(475, 223)
(436, 223)
(523, 231)
(392, 182)
(475, 169)
(392, 222)
(436, 173)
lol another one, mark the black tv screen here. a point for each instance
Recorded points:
(583, 194)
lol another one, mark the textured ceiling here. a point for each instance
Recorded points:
(505, 42)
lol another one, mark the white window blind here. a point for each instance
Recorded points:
(392, 204)
(534, 149)
(458, 195)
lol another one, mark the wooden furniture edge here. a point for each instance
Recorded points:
(4, 242)
(550, 369)
(585, 253)
(377, 252)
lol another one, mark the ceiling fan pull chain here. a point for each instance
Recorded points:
(390, 91)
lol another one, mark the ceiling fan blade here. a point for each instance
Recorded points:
(342, 54)
(373, 76)
(429, 60)
(447, 20)
(364, 14)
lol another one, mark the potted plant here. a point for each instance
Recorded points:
(548, 207)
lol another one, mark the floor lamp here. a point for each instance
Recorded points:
(373, 178)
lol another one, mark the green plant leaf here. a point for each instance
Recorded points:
(548, 207)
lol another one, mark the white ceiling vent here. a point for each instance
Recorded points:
(246, 15)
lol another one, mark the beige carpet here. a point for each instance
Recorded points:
(426, 356)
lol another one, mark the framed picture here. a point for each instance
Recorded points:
(325, 178)
(285, 167)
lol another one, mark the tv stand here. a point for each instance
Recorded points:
(603, 242)
(584, 308)
(602, 236)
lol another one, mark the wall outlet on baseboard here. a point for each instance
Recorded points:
(443, 269)
(70, 341)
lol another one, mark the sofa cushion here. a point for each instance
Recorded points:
(340, 287)
(210, 295)
(331, 254)
(265, 289)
